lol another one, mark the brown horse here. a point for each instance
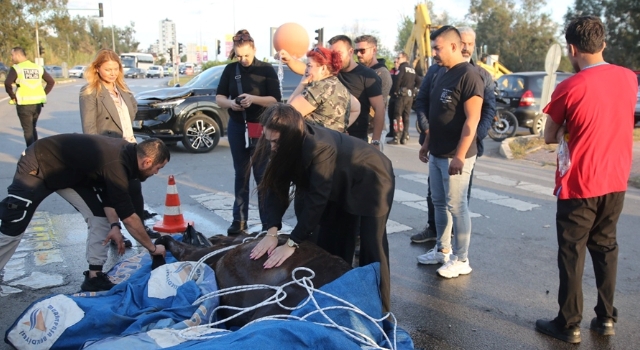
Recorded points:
(234, 268)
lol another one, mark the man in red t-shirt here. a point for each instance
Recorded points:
(592, 111)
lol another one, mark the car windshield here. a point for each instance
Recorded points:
(208, 79)
(511, 83)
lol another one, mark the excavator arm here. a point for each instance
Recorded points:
(418, 45)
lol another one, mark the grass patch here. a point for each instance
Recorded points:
(182, 80)
(523, 145)
(636, 134)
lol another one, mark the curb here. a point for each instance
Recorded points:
(505, 149)
(66, 81)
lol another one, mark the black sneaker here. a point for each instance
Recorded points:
(99, 283)
(127, 242)
(148, 215)
(603, 326)
(551, 328)
(424, 236)
(152, 233)
(237, 227)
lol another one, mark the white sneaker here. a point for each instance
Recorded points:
(454, 268)
(433, 256)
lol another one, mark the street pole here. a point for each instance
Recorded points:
(37, 40)
(113, 37)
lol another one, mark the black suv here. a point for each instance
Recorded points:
(522, 92)
(190, 113)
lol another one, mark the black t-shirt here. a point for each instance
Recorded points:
(259, 79)
(446, 108)
(363, 83)
(70, 160)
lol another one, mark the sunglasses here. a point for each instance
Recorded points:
(316, 49)
(242, 37)
(361, 51)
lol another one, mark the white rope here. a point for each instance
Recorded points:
(206, 331)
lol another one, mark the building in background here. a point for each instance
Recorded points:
(167, 37)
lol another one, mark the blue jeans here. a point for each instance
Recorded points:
(241, 157)
(449, 195)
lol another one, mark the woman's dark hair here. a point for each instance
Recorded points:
(326, 57)
(283, 166)
(241, 38)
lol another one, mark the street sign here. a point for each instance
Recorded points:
(551, 63)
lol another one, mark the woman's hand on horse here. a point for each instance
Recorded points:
(278, 256)
(266, 245)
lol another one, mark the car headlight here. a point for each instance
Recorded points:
(167, 104)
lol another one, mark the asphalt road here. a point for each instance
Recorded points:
(513, 246)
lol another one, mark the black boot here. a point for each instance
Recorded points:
(151, 232)
(237, 227)
(552, 328)
(96, 284)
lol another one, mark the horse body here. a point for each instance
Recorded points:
(235, 268)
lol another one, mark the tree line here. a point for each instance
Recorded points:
(62, 38)
(520, 32)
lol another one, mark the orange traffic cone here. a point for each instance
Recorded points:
(172, 221)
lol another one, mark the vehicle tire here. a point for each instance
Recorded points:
(538, 124)
(504, 125)
(201, 133)
(81, 75)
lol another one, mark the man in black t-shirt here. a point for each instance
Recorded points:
(363, 83)
(83, 163)
(455, 102)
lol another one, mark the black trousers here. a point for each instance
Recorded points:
(337, 235)
(402, 111)
(390, 109)
(582, 224)
(28, 115)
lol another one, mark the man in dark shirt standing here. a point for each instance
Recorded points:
(455, 102)
(83, 162)
(403, 88)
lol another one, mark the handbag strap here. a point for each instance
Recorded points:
(239, 82)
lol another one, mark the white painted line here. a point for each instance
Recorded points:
(402, 196)
(539, 189)
(393, 227)
(422, 205)
(514, 204)
(421, 178)
(500, 180)
(39, 280)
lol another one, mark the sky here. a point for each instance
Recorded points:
(203, 22)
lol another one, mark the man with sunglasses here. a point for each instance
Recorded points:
(367, 51)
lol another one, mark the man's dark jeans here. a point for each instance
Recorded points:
(28, 115)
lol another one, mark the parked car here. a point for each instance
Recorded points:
(134, 73)
(155, 72)
(189, 113)
(54, 71)
(522, 90)
(77, 71)
(4, 70)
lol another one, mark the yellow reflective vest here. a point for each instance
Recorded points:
(29, 82)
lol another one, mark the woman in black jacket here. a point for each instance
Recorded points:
(260, 88)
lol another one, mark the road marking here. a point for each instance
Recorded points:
(491, 197)
(418, 202)
(522, 185)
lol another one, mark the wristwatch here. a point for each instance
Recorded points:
(292, 244)
(375, 142)
(116, 224)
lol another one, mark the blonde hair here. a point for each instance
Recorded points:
(93, 78)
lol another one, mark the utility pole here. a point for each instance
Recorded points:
(113, 37)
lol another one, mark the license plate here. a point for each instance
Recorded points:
(137, 124)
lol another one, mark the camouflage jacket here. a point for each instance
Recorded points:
(332, 102)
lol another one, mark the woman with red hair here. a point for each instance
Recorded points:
(321, 97)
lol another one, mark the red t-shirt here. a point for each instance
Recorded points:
(597, 105)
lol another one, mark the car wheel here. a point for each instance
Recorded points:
(538, 124)
(201, 133)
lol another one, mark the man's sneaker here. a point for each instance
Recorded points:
(425, 235)
(433, 256)
(148, 215)
(454, 268)
(551, 328)
(152, 233)
(603, 326)
(99, 283)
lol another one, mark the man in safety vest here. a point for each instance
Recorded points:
(30, 96)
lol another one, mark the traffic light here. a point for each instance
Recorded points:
(170, 51)
(100, 11)
(319, 37)
(180, 49)
(41, 50)
(218, 46)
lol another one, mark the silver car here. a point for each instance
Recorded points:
(77, 71)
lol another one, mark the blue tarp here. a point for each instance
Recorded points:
(153, 310)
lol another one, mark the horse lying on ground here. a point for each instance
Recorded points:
(234, 268)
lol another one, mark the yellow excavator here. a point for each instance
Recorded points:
(418, 46)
